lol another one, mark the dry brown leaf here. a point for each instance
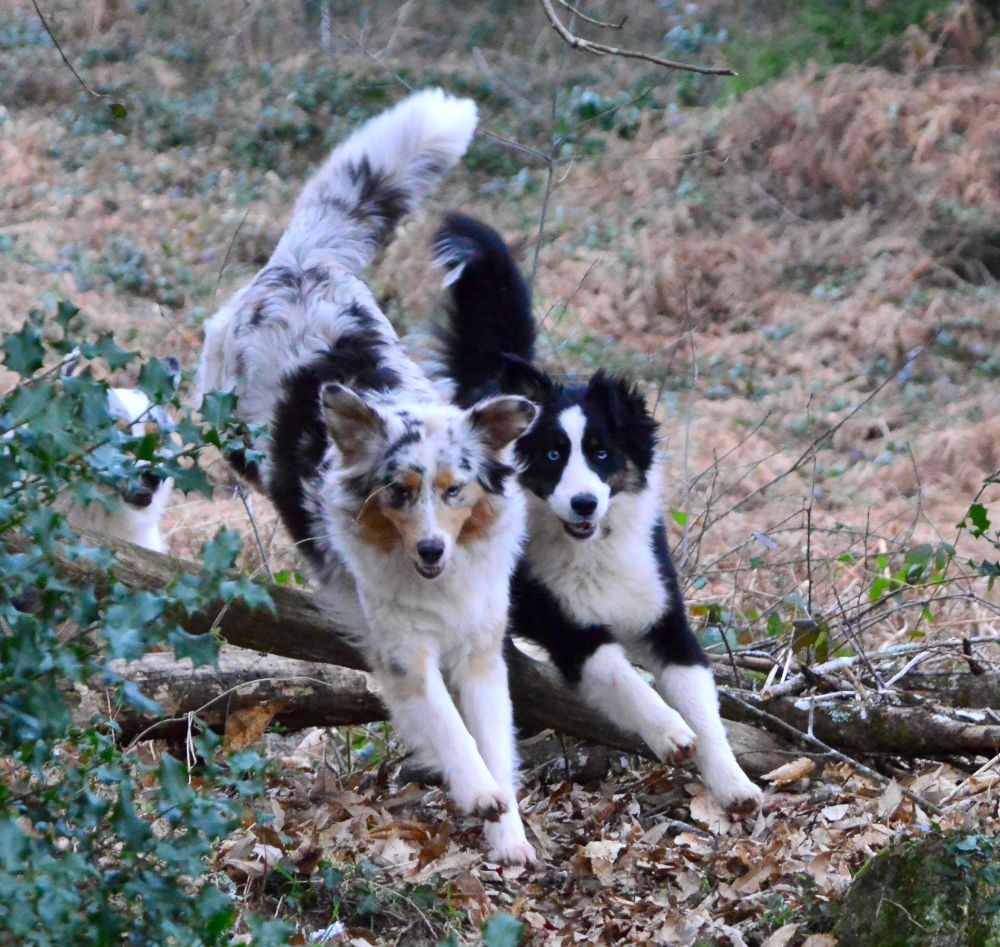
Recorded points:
(890, 800)
(245, 727)
(835, 813)
(820, 940)
(781, 937)
(708, 812)
(790, 772)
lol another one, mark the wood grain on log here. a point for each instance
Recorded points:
(866, 728)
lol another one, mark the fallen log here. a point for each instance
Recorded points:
(867, 728)
(303, 694)
(956, 688)
(299, 630)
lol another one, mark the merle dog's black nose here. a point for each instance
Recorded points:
(583, 504)
(430, 550)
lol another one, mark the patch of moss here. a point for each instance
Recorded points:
(938, 891)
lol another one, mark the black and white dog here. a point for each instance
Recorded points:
(596, 586)
(138, 514)
(395, 497)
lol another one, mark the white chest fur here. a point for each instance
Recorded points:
(612, 579)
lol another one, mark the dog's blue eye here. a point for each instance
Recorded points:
(554, 455)
(601, 455)
(452, 492)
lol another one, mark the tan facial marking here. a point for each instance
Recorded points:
(444, 479)
(482, 516)
(376, 528)
(385, 526)
(410, 524)
(411, 480)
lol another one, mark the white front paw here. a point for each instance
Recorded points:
(733, 790)
(673, 743)
(486, 801)
(507, 842)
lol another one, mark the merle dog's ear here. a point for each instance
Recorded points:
(518, 377)
(354, 426)
(500, 421)
(628, 415)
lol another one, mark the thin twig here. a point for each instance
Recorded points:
(229, 250)
(818, 441)
(590, 19)
(256, 534)
(52, 36)
(600, 49)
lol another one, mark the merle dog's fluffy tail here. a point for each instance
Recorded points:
(378, 175)
(489, 306)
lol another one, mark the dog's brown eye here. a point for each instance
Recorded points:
(398, 494)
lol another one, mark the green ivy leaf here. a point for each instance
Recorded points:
(220, 552)
(247, 591)
(23, 350)
(201, 649)
(66, 312)
(107, 348)
(158, 380)
(190, 479)
(219, 408)
(978, 516)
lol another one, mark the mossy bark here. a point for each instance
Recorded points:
(936, 891)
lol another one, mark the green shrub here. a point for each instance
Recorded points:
(96, 845)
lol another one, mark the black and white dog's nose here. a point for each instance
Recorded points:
(430, 551)
(583, 504)
(140, 495)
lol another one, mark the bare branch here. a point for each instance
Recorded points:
(87, 88)
(600, 49)
(590, 19)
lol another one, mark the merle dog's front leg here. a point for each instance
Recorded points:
(484, 697)
(426, 717)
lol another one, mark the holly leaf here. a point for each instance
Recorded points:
(23, 350)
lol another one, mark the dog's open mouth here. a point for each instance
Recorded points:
(429, 571)
(580, 529)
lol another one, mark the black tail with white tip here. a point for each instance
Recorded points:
(489, 306)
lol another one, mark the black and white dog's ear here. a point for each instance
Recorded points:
(353, 424)
(627, 413)
(500, 421)
(70, 364)
(518, 377)
(174, 364)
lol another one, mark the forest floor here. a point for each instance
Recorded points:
(804, 278)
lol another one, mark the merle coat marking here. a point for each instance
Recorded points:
(400, 503)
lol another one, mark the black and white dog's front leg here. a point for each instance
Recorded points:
(684, 678)
(598, 669)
